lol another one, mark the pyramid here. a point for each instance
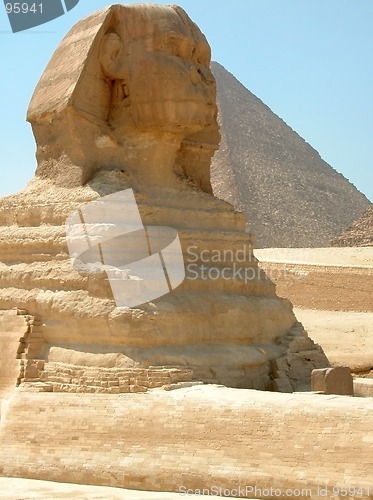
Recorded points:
(359, 234)
(289, 194)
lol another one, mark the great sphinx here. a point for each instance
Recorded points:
(127, 101)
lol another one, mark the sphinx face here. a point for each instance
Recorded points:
(164, 80)
(119, 77)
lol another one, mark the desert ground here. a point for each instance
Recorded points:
(30, 489)
(331, 290)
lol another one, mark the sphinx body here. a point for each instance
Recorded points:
(128, 102)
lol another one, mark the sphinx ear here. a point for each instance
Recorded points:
(112, 56)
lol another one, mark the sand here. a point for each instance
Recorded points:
(32, 489)
(330, 256)
(334, 305)
(346, 337)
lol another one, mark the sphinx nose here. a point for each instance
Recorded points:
(206, 75)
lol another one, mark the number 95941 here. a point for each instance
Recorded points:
(24, 8)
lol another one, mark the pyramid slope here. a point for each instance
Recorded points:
(291, 197)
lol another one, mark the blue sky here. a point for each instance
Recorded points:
(309, 60)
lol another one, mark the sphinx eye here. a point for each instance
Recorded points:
(174, 44)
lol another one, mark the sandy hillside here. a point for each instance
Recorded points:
(346, 337)
(332, 291)
(331, 256)
(334, 279)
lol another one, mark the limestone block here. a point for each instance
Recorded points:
(261, 383)
(279, 365)
(201, 436)
(124, 388)
(301, 344)
(181, 376)
(363, 387)
(69, 378)
(36, 387)
(282, 384)
(337, 380)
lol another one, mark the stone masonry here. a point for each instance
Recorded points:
(197, 437)
(21, 340)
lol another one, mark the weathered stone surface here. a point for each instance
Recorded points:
(11, 330)
(337, 380)
(20, 342)
(128, 101)
(292, 371)
(363, 387)
(198, 437)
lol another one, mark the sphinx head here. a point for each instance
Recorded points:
(157, 62)
(123, 74)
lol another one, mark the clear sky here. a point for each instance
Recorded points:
(310, 61)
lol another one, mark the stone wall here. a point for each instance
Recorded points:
(294, 356)
(20, 340)
(292, 371)
(44, 376)
(198, 437)
(363, 387)
(69, 378)
(28, 361)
